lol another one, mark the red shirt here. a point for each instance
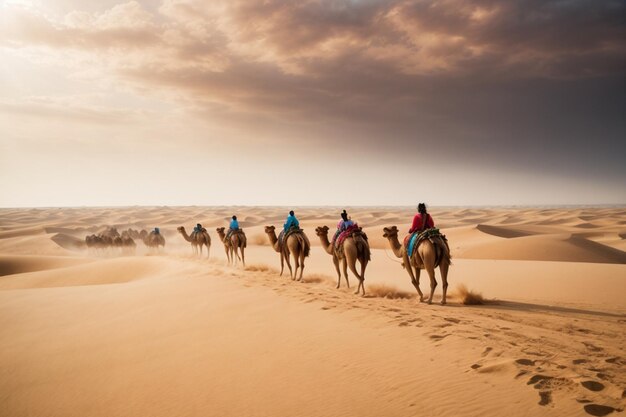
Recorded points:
(417, 223)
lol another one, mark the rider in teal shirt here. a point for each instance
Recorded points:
(291, 222)
(234, 224)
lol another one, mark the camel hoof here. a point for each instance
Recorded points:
(430, 301)
(337, 287)
(443, 303)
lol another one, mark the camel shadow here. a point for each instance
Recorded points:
(540, 308)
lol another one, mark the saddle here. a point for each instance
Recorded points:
(240, 233)
(282, 239)
(412, 241)
(354, 232)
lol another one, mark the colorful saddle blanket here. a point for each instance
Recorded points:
(412, 240)
(346, 234)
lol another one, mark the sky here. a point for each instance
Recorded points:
(353, 102)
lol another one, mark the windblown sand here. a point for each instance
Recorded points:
(99, 333)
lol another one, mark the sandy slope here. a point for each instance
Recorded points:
(171, 334)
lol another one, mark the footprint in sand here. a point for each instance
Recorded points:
(591, 347)
(487, 350)
(475, 366)
(598, 410)
(579, 361)
(452, 320)
(545, 397)
(525, 362)
(438, 337)
(539, 381)
(592, 385)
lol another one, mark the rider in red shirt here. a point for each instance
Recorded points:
(418, 220)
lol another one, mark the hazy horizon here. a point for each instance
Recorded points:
(317, 103)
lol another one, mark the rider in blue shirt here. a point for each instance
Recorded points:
(234, 226)
(291, 222)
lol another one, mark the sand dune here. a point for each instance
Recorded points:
(505, 232)
(565, 248)
(18, 264)
(167, 333)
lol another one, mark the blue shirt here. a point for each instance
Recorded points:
(291, 222)
(344, 224)
(234, 224)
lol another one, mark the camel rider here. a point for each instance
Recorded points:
(291, 222)
(157, 230)
(422, 220)
(234, 226)
(197, 229)
(343, 225)
(345, 222)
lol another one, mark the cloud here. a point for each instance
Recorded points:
(460, 78)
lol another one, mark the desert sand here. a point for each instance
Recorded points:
(168, 333)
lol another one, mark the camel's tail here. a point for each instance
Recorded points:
(243, 240)
(443, 250)
(304, 242)
(362, 247)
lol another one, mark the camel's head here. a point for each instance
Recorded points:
(321, 231)
(390, 231)
(269, 229)
(181, 229)
(220, 230)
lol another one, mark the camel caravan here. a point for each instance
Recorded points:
(424, 247)
(111, 240)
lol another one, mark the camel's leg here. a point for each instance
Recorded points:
(227, 254)
(415, 277)
(208, 251)
(352, 264)
(301, 264)
(336, 263)
(289, 265)
(282, 263)
(363, 266)
(433, 283)
(296, 261)
(416, 282)
(243, 258)
(344, 265)
(443, 268)
(236, 247)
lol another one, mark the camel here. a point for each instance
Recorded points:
(353, 250)
(197, 239)
(297, 245)
(423, 257)
(152, 239)
(236, 242)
